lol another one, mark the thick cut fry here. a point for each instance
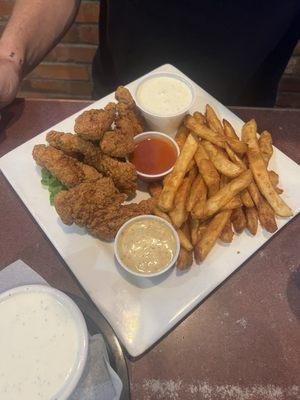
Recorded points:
(161, 214)
(226, 193)
(236, 145)
(194, 226)
(238, 220)
(221, 162)
(179, 213)
(252, 220)
(213, 121)
(184, 240)
(202, 228)
(235, 202)
(260, 173)
(199, 117)
(265, 212)
(198, 209)
(175, 178)
(204, 132)
(210, 176)
(185, 259)
(195, 193)
(229, 130)
(265, 145)
(211, 234)
(234, 157)
(200, 154)
(227, 233)
(181, 136)
(246, 198)
(274, 178)
(155, 189)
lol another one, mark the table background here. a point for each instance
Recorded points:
(242, 342)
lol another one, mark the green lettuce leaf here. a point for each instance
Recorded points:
(54, 185)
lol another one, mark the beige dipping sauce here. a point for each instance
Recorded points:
(146, 246)
(38, 346)
(164, 95)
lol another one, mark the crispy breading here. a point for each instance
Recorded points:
(97, 207)
(122, 173)
(69, 171)
(115, 144)
(92, 124)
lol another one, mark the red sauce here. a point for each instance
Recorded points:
(153, 155)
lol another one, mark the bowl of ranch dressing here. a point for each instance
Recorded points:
(147, 246)
(43, 344)
(164, 98)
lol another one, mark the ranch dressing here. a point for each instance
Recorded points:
(38, 346)
(146, 245)
(164, 95)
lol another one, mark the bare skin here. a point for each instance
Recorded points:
(34, 28)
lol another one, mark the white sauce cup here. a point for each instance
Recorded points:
(149, 275)
(169, 123)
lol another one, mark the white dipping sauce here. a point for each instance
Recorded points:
(164, 95)
(38, 346)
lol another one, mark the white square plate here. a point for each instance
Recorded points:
(139, 310)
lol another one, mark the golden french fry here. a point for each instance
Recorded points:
(185, 259)
(184, 240)
(161, 214)
(252, 220)
(195, 193)
(238, 220)
(265, 145)
(204, 132)
(194, 226)
(246, 198)
(200, 154)
(274, 178)
(227, 233)
(237, 145)
(202, 227)
(179, 213)
(229, 130)
(234, 157)
(199, 117)
(198, 209)
(260, 173)
(155, 189)
(181, 135)
(210, 176)
(211, 234)
(213, 121)
(266, 214)
(278, 190)
(175, 178)
(226, 193)
(221, 162)
(235, 202)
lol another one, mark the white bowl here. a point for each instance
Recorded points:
(167, 267)
(144, 135)
(169, 123)
(78, 367)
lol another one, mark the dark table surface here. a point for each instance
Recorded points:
(242, 342)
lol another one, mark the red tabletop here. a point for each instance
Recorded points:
(242, 342)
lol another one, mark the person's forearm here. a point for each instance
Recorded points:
(34, 28)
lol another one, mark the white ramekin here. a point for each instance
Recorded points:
(77, 370)
(150, 134)
(169, 123)
(167, 267)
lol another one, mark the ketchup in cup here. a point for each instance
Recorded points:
(154, 155)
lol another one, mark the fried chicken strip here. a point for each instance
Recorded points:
(97, 206)
(123, 174)
(92, 124)
(69, 171)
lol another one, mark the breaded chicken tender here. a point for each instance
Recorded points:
(97, 207)
(116, 144)
(122, 173)
(92, 124)
(69, 171)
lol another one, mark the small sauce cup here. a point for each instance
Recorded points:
(148, 274)
(151, 177)
(164, 123)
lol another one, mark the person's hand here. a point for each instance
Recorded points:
(10, 79)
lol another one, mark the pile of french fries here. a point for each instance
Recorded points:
(220, 184)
